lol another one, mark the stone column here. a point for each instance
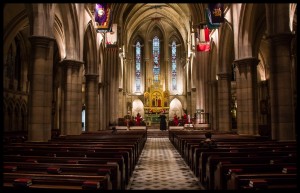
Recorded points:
(281, 94)
(72, 98)
(246, 91)
(165, 82)
(201, 60)
(101, 107)
(91, 93)
(224, 102)
(213, 112)
(193, 101)
(188, 75)
(40, 97)
(111, 90)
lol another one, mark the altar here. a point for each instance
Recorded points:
(152, 118)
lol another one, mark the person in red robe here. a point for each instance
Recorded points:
(185, 118)
(175, 120)
(138, 119)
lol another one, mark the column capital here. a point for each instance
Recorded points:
(224, 76)
(71, 63)
(281, 38)
(91, 76)
(246, 61)
(42, 41)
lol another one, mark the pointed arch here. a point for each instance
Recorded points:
(71, 28)
(59, 35)
(226, 51)
(251, 29)
(175, 108)
(89, 48)
(19, 22)
(137, 107)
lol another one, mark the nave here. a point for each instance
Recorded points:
(159, 166)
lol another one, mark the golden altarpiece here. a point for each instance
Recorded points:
(156, 101)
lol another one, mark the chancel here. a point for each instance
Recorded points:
(119, 96)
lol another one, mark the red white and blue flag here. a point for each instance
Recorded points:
(203, 43)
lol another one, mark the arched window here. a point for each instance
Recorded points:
(156, 67)
(138, 66)
(174, 74)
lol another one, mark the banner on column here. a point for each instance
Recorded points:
(103, 17)
(217, 12)
(203, 41)
(111, 36)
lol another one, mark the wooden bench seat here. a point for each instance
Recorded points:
(78, 147)
(76, 169)
(55, 181)
(240, 145)
(118, 159)
(213, 161)
(223, 171)
(75, 151)
(83, 154)
(278, 181)
(200, 162)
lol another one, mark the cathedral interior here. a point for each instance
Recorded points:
(73, 68)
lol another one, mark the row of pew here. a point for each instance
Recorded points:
(239, 161)
(100, 160)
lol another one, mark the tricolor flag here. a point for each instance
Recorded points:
(203, 43)
(204, 34)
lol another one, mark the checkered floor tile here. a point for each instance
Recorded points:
(161, 167)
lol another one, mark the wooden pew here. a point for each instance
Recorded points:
(70, 146)
(223, 170)
(238, 145)
(213, 161)
(83, 149)
(278, 181)
(200, 165)
(75, 169)
(55, 181)
(117, 160)
(83, 154)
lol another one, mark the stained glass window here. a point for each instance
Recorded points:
(138, 66)
(156, 67)
(174, 74)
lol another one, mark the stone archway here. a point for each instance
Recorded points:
(175, 107)
(137, 107)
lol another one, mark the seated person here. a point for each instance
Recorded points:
(175, 120)
(208, 142)
(114, 130)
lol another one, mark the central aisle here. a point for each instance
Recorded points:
(161, 167)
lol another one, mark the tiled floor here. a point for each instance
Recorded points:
(161, 167)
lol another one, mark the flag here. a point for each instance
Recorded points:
(217, 12)
(209, 23)
(204, 34)
(203, 43)
(103, 17)
(203, 47)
